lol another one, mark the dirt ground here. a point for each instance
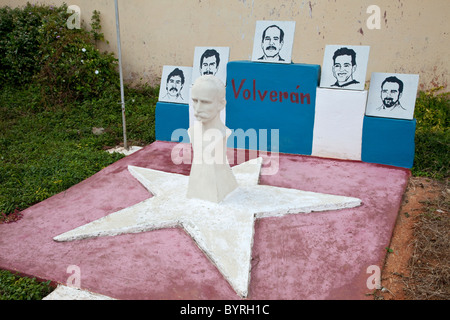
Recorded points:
(417, 265)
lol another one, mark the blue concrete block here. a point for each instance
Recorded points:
(265, 97)
(171, 122)
(388, 141)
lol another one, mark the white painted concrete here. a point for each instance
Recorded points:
(224, 231)
(338, 123)
(124, 151)
(70, 293)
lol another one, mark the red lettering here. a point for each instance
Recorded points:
(273, 96)
(303, 96)
(246, 94)
(236, 94)
(262, 96)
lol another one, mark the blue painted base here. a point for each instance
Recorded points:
(171, 122)
(273, 101)
(388, 141)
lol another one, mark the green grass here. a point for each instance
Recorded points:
(44, 152)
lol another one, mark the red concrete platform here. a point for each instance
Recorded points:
(321, 255)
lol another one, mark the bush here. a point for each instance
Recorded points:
(24, 32)
(36, 46)
(432, 158)
(74, 69)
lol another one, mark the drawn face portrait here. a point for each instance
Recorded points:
(272, 42)
(343, 68)
(174, 86)
(390, 94)
(209, 66)
(207, 100)
(209, 62)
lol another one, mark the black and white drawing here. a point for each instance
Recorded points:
(344, 67)
(210, 60)
(273, 41)
(392, 95)
(175, 83)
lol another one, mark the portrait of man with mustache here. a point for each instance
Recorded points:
(272, 42)
(209, 62)
(174, 85)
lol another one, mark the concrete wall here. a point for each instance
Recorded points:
(413, 35)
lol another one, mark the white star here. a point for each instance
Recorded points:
(224, 231)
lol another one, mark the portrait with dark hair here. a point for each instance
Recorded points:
(391, 92)
(392, 95)
(210, 61)
(345, 67)
(175, 82)
(273, 41)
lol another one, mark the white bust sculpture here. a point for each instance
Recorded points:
(211, 177)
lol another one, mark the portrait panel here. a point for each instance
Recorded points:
(392, 95)
(210, 60)
(344, 67)
(175, 84)
(273, 41)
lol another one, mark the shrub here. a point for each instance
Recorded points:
(23, 34)
(432, 135)
(74, 69)
(36, 46)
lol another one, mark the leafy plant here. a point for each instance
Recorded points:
(74, 69)
(14, 287)
(37, 47)
(23, 34)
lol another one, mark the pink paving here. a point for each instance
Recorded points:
(321, 255)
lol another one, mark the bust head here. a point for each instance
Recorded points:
(208, 97)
